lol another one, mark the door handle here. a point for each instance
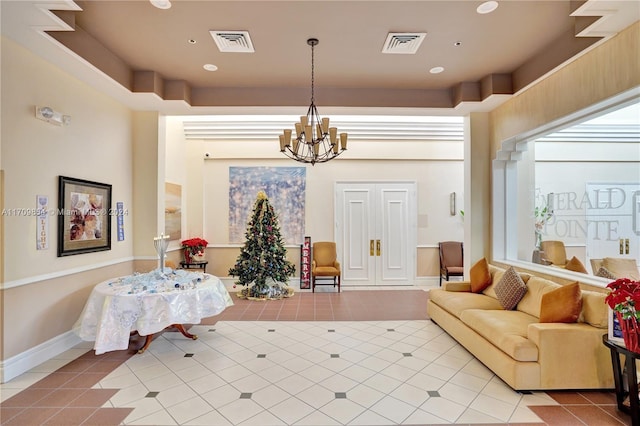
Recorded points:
(378, 247)
(626, 246)
(621, 245)
(371, 248)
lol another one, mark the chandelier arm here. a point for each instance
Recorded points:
(315, 141)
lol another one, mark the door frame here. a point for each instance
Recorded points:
(412, 240)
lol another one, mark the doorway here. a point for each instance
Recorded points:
(376, 232)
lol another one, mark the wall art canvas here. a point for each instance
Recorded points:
(84, 216)
(173, 210)
(285, 187)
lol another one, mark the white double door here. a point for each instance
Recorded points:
(376, 232)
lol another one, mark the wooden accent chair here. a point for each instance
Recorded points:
(324, 264)
(554, 252)
(451, 260)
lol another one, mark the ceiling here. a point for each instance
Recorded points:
(151, 58)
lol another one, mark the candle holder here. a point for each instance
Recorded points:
(161, 243)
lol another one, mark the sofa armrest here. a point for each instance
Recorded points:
(457, 286)
(568, 351)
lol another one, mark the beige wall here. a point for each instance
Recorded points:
(610, 69)
(435, 181)
(605, 71)
(42, 294)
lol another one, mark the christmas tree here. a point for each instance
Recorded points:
(263, 255)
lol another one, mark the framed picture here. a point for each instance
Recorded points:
(84, 216)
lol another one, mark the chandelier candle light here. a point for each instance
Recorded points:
(161, 243)
(315, 141)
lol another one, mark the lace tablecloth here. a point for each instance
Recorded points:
(117, 307)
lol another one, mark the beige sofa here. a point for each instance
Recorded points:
(516, 346)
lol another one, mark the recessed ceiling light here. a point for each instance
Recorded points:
(457, 43)
(487, 7)
(436, 70)
(191, 41)
(210, 67)
(161, 4)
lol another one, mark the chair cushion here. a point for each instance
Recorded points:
(562, 304)
(510, 289)
(326, 271)
(480, 277)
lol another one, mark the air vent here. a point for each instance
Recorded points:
(403, 43)
(233, 41)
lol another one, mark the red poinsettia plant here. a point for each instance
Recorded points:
(195, 246)
(624, 297)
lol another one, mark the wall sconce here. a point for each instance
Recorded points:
(50, 116)
(452, 204)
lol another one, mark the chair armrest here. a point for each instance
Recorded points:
(457, 286)
(336, 265)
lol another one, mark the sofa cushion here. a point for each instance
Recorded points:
(510, 289)
(496, 276)
(594, 311)
(507, 330)
(622, 267)
(575, 265)
(562, 304)
(536, 288)
(480, 277)
(456, 302)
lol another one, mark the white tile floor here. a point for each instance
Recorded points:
(314, 373)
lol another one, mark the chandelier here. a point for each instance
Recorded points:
(315, 141)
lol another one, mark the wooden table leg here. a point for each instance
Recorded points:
(147, 342)
(184, 332)
(180, 328)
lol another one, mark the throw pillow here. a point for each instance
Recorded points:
(605, 273)
(575, 265)
(510, 289)
(562, 304)
(480, 276)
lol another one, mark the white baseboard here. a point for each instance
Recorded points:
(25, 361)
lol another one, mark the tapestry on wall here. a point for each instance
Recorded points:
(285, 187)
(173, 210)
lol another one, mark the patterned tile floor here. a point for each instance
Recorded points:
(361, 358)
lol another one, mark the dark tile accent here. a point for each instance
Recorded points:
(262, 355)
(341, 395)
(331, 330)
(151, 394)
(335, 355)
(188, 355)
(433, 393)
(391, 329)
(271, 330)
(245, 395)
(406, 354)
(211, 329)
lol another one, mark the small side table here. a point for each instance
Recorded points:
(632, 379)
(195, 265)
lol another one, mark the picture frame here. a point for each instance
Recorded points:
(84, 216)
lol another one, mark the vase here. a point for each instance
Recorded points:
(187, 255)
(630, 332)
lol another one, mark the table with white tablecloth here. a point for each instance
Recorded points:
(116, 308)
